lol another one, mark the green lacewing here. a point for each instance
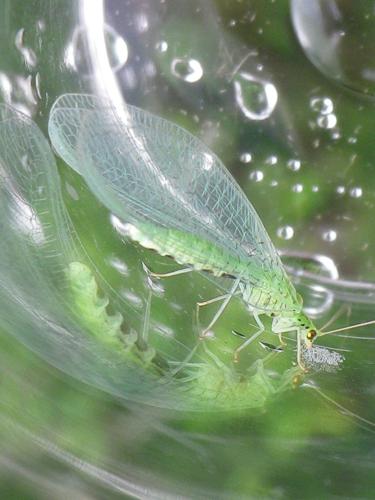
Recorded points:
(178, 198)
(41, 276)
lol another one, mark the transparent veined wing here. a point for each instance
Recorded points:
(40, 301)
(59, 313)
(145, 168)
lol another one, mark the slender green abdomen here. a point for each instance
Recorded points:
(187, 249)
(268, 294)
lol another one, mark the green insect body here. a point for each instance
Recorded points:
(203, 382)
(186, 249)
(52, 302)
(92, 308)
(92, 311)
(229, 389)
(178, 198)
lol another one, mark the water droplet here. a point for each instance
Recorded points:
(189, 70)
(356, 192)
(338, 40)
(294, 165)
(246, 157)
(352, 140)
(330, 235)
(161, 46)
(256, 176)
(256, 98)
(272, 160)
(285, 232)
(77, 55)
(149, 69)
(322, 105)
(340, 190)
(314, 189)
(327, 121)
(141, 22)
(297, 188)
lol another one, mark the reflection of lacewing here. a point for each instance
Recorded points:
(179, 199)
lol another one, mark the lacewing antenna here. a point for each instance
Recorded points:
(351, 327)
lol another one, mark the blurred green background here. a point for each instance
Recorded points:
(283, 93)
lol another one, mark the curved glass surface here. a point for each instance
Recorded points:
(107, 390)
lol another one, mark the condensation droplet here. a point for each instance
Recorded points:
(246, 157)
(330, 235)
(272, 160)
(285, 232)
(297, 188)
(77, 55)
(149, 69)
(338, 38)
(356, 192)
(314, 188)
(352, 140)
(161, 46)
(141, 23)
(294, 165)
(189, 70)
(256, 98)
(256, 176)
(322, 105)
(340, 190)
(327, 121)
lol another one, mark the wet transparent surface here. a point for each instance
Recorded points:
(238, 75)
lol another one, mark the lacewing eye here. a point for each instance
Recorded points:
(311, 334)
